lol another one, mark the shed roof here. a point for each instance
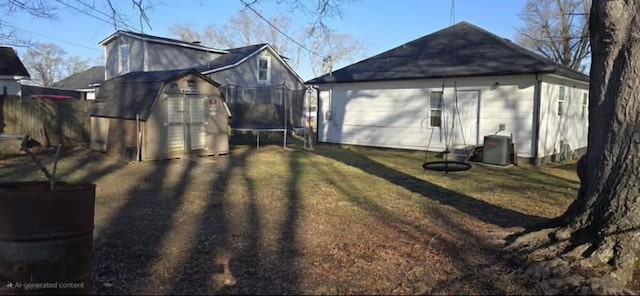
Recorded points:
(460, 50)
(10, 63)
(135, 93)
(82, 80)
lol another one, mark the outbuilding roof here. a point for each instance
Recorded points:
(135, 93)
(461, 50)
(10, 63)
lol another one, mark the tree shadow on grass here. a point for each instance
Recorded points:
(127, 247)
(475, 263)
(479, 209)
(228, 256)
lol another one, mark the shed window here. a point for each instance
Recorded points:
(264, 69)
(123, 58)
(561, 90)
(585, 104)
(435, 110)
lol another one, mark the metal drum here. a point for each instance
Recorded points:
(46, 238)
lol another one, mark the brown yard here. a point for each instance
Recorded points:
(337, 220)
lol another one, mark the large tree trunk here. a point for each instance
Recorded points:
(600, 231)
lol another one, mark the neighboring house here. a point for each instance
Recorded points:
(160, 114)
(86, 82)
(393, 99)
(12, 71)
(248, 75)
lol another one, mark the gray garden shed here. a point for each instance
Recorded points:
(159, 115)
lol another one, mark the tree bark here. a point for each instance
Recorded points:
(605, 217)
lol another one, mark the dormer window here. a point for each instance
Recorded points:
(123, 58)
(264, 69)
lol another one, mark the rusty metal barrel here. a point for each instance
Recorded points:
(46, 238)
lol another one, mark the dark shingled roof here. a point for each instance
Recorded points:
(135, 93)
(10, 64)
(82, 80)
(161, 39)
(461, 50)
(234, 56)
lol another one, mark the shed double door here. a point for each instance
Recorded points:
(186, 121)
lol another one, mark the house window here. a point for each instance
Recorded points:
(585, 104)
(435, 109)
(561, 90)
(123, 58)
(264, 69)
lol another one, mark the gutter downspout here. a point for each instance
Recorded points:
(537, 100)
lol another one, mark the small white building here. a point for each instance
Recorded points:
(12, 71)
(406, 97)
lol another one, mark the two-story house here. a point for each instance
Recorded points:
(248, 75)
(259, 88)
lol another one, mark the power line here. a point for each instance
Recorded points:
(49, 37)
(248, 5)
(115, 23)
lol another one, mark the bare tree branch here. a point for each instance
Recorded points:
(558, 29)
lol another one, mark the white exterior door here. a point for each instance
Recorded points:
(175, 124)
(465, 127)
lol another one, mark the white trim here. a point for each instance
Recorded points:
(268, 78)
(120, 68)
(9, 77)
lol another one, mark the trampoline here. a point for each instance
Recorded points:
(266, 109)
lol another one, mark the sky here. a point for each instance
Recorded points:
(381, 24)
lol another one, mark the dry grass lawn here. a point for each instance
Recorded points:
(337, 220)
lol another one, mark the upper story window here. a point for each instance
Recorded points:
(561, 101)
(264, 69)
(123, 58)
(585, 104)
(435, 109)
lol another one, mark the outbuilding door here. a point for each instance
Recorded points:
(186, 121)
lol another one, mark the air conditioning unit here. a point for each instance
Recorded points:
(497, 150)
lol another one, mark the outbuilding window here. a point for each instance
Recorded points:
(561, 91)
(123, 58)
(264, 69)
(435, 109)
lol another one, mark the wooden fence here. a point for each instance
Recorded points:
(48, 121)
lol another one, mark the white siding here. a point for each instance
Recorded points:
(395, 113)
(570, 128)
(13, 87)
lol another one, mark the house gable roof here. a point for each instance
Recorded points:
(461, 50)
(82, 80)
(237, 56)
(10, 63)
(234, 57)
(135, 93)
(158, 39)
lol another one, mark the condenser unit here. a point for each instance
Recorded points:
(497, 150)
